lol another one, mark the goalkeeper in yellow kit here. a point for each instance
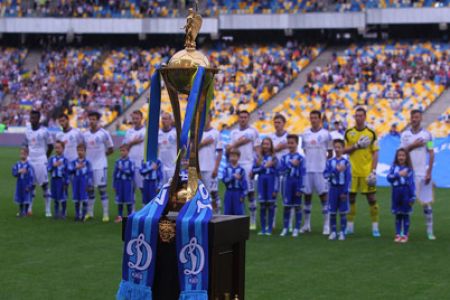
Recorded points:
(362, 148)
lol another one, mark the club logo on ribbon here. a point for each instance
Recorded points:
(193, 253)
(139, 244)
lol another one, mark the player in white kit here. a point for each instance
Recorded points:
(40, 145)
(71, 137)
(210, 154)
(167, 146)
(419, 143)
(317, 145)
(99, 145)
(135, 138)
(279, 140)
(246, 140)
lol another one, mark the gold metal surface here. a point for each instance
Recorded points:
(166, 230)
(192, 28)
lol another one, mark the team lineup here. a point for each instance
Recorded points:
(333, 165)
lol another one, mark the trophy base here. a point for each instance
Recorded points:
(227, 237)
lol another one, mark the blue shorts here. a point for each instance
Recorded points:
(290, 189)
(232, 203)
(58, 190)
(401, 200)
(335, 203)
(266, 188)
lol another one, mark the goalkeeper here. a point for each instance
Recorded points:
(362, 148)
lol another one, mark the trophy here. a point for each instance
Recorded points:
(178, 77)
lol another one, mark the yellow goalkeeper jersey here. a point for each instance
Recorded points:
(361, 159)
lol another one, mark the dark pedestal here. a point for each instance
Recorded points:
(227, 237)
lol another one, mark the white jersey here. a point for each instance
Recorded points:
(336, 135)
(418, 155)
(279, 140)
(96, 145)
(247, 150)
(316, 145)
(71, 140)
(37, 142)
(137, 151)
(207, 154)
(167, 148)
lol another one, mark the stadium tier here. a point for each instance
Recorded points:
(441, 127)
(11, 60)
(388, 79)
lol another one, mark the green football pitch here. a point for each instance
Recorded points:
(48, 259)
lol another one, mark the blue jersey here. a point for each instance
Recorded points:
(261, 169)
(396, 180)
(81, 178)
(123, 169)
(148, 173)
(60, 171)
(288, 169)
(403, 189)
(338, 178)
(24, 183)
(123, 181)
(231, 182)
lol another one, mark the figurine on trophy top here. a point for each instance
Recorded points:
(193, 24)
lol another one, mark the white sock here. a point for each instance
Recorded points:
(47, 205)
(30, 208)
(326, 220)
(350, 225)
(375, 226)
(90, 208)
(307, 212)
(429, 221)
(105, 205)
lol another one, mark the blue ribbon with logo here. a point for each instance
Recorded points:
(192, 245)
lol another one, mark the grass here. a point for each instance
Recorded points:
(48, 259)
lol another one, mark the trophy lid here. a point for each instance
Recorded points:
(188, 58)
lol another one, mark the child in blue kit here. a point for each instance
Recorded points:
(123, 177)
(236, 186)
(58, 166)
(292, 168)
(338, 173)
(24, 173)
(265, 167)
(401, 177)
(151, 172)
(81, 178)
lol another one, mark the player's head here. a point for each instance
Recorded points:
(416, 118)
(315, 117)
(81, 150)
(337, 125)
(360, 116)
(244, 118)
(338, 145)
(136, 118)
(63, 121)
(402, 158)
(267, 146)
(59, 147)
(292, 142)
(94, 119)
(35, 118)
(278, 122)
(24, 153)
(124, 149)
(233, 155)
(166, 121)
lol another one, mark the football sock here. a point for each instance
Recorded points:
(77, 210)
(428, 211)
(286, 215)
(405, 224)
(271, 217)
(398, 224)
(84, 209)
(91, 203)
(307, 212)
(325, 213)
(252, 207)
(298, 217)
(63, 208)
(129, 208)
(120, 209)
(352, 213)
(343, 222)
(48, 200)
(21, 209)
(263, 213)
(333, 222)
(374, 213)
(56, 204)
(104, 199)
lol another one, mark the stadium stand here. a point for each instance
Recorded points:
(388, 79)
(11, 61)
(441, 127)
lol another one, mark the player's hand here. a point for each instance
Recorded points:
(80, 166)
(22, 171)
(419, 142)
(295, 162)
(427, 178)
(298, 194)
(154, 166)
(237, 176)
(340, 167)
(403, 173)
(214, 174)
(268, 164)
(363, 142)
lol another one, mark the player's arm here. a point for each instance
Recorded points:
(15, 171)
(240, 142)
(109, 144)
(217, 164)
(49, 144)
(375, 160)
(244, 184)
(226, 178)
(350, 148)
(327, 171)
(430, 163)
(348, 176)
(392, 175)
(280, 147)
(206, 142)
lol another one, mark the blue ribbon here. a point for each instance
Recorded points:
(154, 108)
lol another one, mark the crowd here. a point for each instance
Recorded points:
(335, 168)
(46, 87)
(389, 79)
(11, 62)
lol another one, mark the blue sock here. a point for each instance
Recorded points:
(286, 216)
(120, 208)
(21, 209)
(56, 208)
(333, 222)
(129, 208)
(343, 222)
(405, 224)
(63, 208)
(84, 209)
(77, 210)
(263, 212)
(398, 224)
(271, 216)
(298, 217)
(25, 208)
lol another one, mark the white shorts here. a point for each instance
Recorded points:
(211, 184)
(100, 177)
(424, 192)
(250, 182)
(40, 172)
(314, 183)
(167, 175)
